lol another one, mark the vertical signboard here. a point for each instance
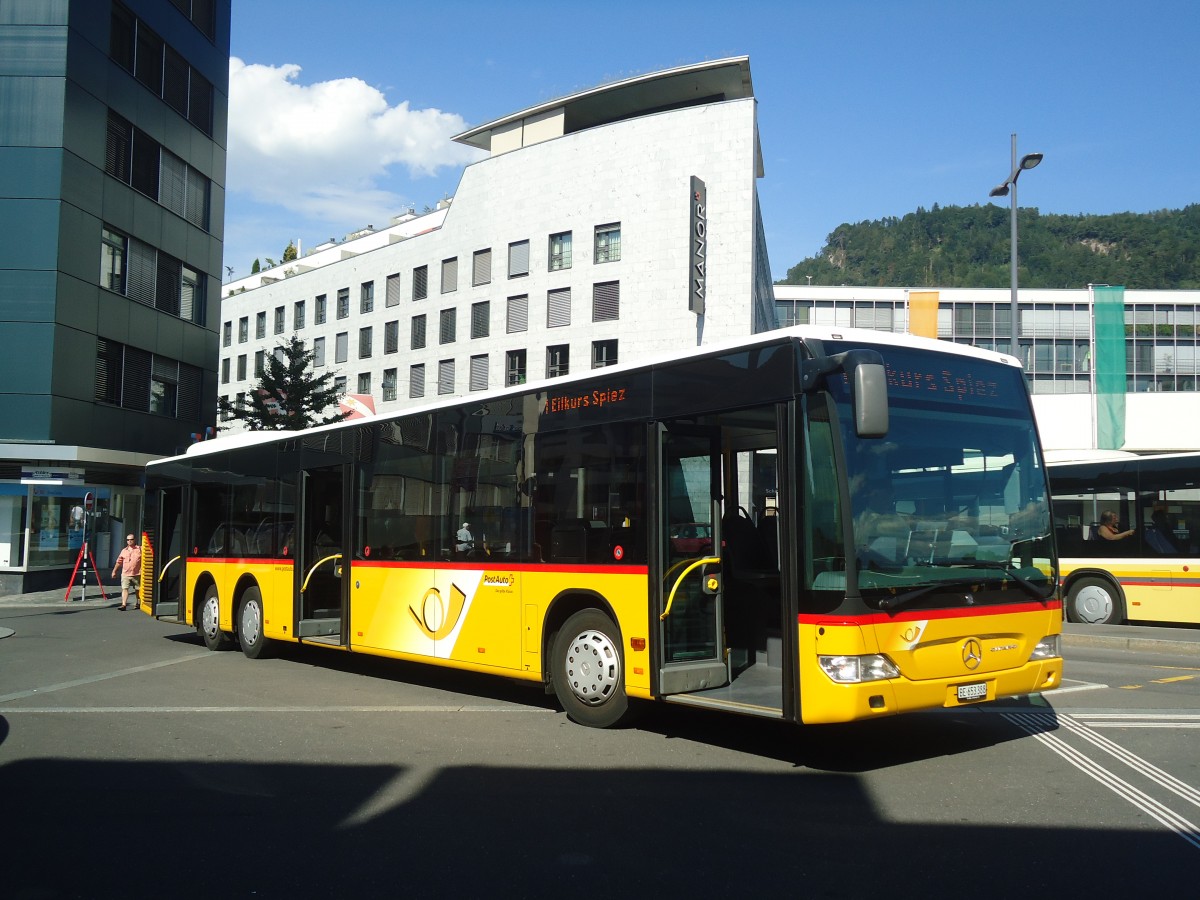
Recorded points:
(698, 237)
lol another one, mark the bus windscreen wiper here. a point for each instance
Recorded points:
(908, 596)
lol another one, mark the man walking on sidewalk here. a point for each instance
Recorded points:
(129, 561)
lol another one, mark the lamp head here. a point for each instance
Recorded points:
(1030, 161)
(1000, 190)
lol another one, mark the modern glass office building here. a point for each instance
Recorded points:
(112, 172)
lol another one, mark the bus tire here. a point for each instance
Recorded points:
(208, 621)
(587, 670)
(250, 626)
(1095, 601)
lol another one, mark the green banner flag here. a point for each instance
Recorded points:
(1108, 310)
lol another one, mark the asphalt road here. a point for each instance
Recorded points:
(134, 763)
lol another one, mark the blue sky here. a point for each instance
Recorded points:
(340, 114)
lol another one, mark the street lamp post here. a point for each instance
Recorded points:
(1009, 188)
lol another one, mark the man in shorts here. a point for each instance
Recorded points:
(129, 561)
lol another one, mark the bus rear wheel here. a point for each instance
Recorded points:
(1094, 601)
(208, 621)
(250, 626)
(588, 670)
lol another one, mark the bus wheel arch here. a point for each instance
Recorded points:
(250, 620)
(207, 616)
(587, 662)
(1094, 598)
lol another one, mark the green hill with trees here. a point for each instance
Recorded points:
(968, 246)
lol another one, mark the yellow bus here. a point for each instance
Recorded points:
(1148, 569)
(875, 506)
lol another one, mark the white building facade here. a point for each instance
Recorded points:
(577, 242)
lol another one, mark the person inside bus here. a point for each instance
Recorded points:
(1109, 529)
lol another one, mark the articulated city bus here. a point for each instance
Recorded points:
(1147, 568)
(874, 510)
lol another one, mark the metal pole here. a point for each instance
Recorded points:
(1013, 250)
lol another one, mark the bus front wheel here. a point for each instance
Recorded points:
(250, 626)
(587, 671)
(208, 622)
(1094, 601)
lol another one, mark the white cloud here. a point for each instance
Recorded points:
(329, 151)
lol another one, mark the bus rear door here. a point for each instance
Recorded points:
(164, 596)
(323, 561)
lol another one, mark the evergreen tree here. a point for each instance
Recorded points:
(255, 268)
(289, 252)
(288, 397)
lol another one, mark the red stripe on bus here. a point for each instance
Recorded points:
(499, 564)
(908, 615)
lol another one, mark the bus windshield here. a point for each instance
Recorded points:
(951, 507)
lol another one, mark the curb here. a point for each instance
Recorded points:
(1132, 642)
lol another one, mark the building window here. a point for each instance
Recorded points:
(417, 333)
(364, 382)
(260, 363)
(392, 290)
(449, 275)
(604, 353)
(112, 260)
(227, 334)
(558, 360)
(481, 313)
(517, 314)
(514, 367)
(389, 384)
(558, 308)
(297, 315)
(243, 329)
(416, 381)
(481, 268)
(560, 251)
(225, 370)
(341, 347)
(606, 301)
(445, 376)
(343, 303)
(420, 287)
(608, 242)
(339, 385)
(391, 336)
(318, 352)
(364, 343)
(479, 373)
(366, 300)
(279, 320)
(241, 367)
(260, 325)
(319, 314)
(518, 259)
(447, 325)
(164, 386)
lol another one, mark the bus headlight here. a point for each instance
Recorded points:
(1047, 648)
(857, 669)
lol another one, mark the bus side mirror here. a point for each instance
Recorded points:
(870, 400)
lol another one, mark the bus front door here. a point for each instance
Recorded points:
(164, 596)
(691, 627)
(323, 562)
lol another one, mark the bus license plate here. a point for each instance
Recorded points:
(972, 691)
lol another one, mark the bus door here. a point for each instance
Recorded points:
(323, 568)
(691, 628)
(165, 596)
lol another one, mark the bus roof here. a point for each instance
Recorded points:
(802, 333)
